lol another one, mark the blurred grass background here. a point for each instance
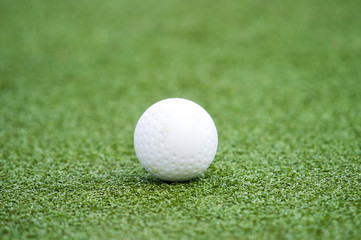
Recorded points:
(281, 79)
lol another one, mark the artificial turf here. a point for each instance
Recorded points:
(281, 79)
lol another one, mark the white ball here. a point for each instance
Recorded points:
(175, 139)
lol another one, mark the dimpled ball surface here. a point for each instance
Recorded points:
(175, 139)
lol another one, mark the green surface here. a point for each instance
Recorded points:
(282, 80)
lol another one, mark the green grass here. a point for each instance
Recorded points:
(281, 79)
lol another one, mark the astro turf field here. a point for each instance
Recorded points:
(281, 79)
